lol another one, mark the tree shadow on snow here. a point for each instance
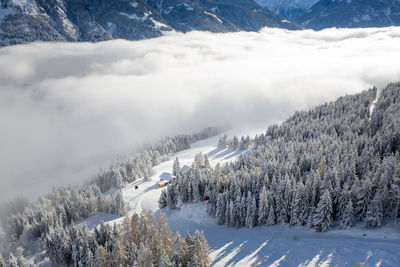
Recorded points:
(286, 247)
(223, 154)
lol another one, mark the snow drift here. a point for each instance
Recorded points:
(66, 109)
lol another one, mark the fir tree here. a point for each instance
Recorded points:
(323, 213)
(162, 201)
(250, 211)
(222, 142)
(178, 251)
(235, 144)
(206, 162)
(232, 214)
(120, 208)
(2, 262)
(20, 257)
(271, 220)
(118, 257)
(199, 159)
(363, 199)
(396, 196)
(145, 257)
(165, 235)
(297, 208)
(263, 207)
(347, 217)
(102, 257)
(131, 252)
(12, 261)
(176, 169)
(220, 214)
(201, 250)
(171, 197)
(374, 215)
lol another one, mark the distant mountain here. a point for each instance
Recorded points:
(289, 9)
(217, 15)
(351, 14)
(24, 21)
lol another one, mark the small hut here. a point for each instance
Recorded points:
(163, 183)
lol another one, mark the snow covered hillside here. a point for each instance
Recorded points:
(278, 245)
(286, 8)
(146, 196)
(266, 246)
(350, 14)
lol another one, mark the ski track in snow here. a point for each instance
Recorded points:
(279, 245)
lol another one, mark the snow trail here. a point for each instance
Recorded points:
(373, 105)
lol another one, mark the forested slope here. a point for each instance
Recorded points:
(335, 164)
(50, 219)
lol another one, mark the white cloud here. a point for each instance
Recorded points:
(66, 109)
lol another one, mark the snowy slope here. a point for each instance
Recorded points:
(351, 14)
(286, 8)
(147, 195)
(289, 246)
(304, 4)
(266, 246)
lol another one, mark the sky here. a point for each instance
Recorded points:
(68, 109)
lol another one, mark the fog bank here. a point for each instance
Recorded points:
(66, 109)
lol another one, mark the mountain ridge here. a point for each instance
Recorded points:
(289, 9)
(321, 14)
(351, 14)
(23, 21)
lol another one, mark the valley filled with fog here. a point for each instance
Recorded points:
(67, 109)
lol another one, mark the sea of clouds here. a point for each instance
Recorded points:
(68, 108)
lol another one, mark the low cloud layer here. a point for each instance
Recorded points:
(67, 109)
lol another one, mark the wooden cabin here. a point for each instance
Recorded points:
(163, 183)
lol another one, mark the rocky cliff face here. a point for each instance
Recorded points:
(351, 14)
(24, 21)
